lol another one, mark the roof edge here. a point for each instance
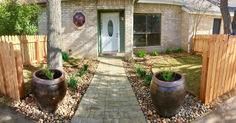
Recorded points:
(161, 2)
(207, 13)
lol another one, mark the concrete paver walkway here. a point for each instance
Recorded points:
(109, 98)
(8, 115)
(225, 113)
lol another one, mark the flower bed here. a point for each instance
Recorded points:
(192, 107)
(68, 106)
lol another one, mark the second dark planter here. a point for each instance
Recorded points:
(48, 93)
(167, 97)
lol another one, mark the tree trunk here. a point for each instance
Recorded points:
(226, 16)
(54, 58)
(234, 22)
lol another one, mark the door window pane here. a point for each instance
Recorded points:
(110, 28)
(139, 23)
(139, 40)
(154, 39)
(153, 23)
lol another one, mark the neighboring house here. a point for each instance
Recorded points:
(92, 27)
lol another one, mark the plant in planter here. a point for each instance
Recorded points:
(167, 92)
(49, 88)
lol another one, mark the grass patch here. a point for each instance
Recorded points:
(189, 66)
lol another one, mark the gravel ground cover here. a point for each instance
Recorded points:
(192, 107)
(68, 106)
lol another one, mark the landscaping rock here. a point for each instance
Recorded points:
(191, 109)
(67, 107)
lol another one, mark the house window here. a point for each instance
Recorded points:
(216, 26)
(147, 29)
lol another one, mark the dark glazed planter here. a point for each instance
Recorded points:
(167, 97)
(48, 93)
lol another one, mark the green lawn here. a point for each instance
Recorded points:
(190, 66)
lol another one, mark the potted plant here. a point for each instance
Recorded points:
(167, 92)
(49, 88)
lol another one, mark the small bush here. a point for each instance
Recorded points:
(73, 83)
(141, 54)
(155, 53)
(48, 73)
(84, 70)
(142, 73)
(65, 56)
(177, 50)
(148, 80)
(167, 51)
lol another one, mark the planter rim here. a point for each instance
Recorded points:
(169, 84)
(48, 82)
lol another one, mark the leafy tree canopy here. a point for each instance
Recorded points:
(17, 18)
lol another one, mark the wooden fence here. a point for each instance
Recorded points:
(33, 48)
(201, 43)
(218, 67)
(11, 71)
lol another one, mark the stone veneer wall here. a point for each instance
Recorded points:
(83, 41)
(171, 20)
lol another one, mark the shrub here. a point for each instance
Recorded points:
(148, 80)
(84, 70)
(167, 51)
(177, 50)
(142, 73)
(65, 56)
(141, 54)
(155, 53)
(18, 19)
(48, 73)
(73, 83)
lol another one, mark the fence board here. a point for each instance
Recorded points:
(210, 66)
(19, 68)
(2, 81)
(14, 80)
(217, 65)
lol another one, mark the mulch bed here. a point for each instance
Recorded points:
(191, 109)
(68, 106)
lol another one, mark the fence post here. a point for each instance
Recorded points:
(204, 76)
(45, 47)
(24, 40)
(37, 51)
(20, 77)
(2, 83)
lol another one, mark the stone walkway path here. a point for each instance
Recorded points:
(109, 98)
(225, 113)
(8, 115)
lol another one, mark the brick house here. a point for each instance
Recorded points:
(93, 27)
